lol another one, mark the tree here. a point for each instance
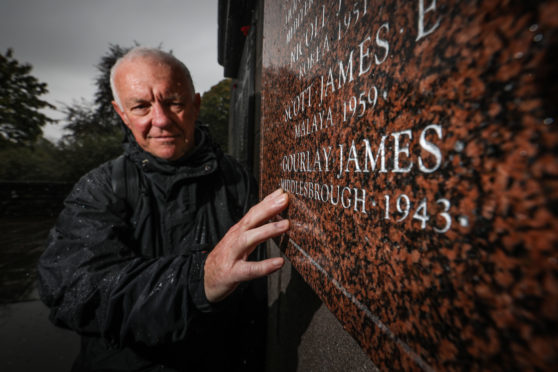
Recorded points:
(20, 119)
(101, 117)
(214, 111)
(103, 95)
(41, 161)
(95, 131)
(92, 141)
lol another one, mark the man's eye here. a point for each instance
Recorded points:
(140, 107)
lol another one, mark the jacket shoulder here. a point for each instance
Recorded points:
(95, 185)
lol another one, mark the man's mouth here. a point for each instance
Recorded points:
(164, 137)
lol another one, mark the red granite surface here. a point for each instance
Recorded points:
(460, 272)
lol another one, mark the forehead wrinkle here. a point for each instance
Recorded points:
(139, 97)
(146, 80)
(138, 100)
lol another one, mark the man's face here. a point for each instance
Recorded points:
(157, 106)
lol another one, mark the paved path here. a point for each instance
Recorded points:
(28, 341)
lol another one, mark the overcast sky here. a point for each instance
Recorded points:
(64, 39)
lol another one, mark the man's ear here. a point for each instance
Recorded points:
(120, 112)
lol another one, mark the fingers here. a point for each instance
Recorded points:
(249, 270)
(226, 264)
(275, 193)
(252, 230)
(272, 205)
(260, 234)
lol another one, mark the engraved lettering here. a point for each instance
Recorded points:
(363, 56)
(374, 159)
(382, 43)
(431, 148)
(398, 150)
(421, 12)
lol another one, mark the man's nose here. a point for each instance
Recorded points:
(160, 117)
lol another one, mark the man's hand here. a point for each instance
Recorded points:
(226, 266)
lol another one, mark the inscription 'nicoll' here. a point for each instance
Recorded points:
(294, 18)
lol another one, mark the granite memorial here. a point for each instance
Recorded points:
(419, 143)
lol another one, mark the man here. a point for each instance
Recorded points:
(146, 257)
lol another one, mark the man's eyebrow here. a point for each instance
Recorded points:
(173, 96)
(165, 98)
(133, 101)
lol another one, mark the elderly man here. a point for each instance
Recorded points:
(147, 258)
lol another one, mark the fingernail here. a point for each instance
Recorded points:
(274, 194)
(283, 224)
(277, 192)
(281, 199)
(278, 262)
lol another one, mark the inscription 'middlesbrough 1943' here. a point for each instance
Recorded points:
(419, 142)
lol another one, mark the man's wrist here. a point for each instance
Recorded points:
(196, 283)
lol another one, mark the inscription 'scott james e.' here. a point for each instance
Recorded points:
(419, 142)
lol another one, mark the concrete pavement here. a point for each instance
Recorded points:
(28, 340)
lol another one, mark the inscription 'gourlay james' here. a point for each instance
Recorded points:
(419, 142)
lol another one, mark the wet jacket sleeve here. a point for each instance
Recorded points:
(95, 284)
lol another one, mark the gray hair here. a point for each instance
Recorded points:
(152, 53)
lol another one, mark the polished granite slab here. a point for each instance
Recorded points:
(418, 141)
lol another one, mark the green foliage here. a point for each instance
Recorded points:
(71, 158)
(214, 111)
(31, 163)
(95, 132)
(103, 95)
(101, 117)
(20, 119)
(94, 136)
(92, 141)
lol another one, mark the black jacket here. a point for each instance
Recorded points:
(126, 272)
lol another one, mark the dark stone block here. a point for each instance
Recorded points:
(419, 143)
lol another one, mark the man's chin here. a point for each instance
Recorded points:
(169, 152)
